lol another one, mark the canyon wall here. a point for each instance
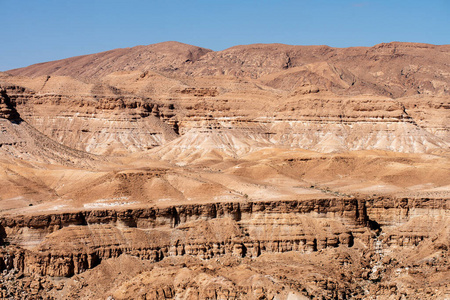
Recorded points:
(63, 245)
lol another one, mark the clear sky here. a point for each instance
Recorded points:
(36, 31)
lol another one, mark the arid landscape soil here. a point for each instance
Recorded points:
(264, 171)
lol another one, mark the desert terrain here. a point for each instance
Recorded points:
(264, 171)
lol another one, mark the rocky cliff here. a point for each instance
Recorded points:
(39, 245)
(100, 119)
(20, 140)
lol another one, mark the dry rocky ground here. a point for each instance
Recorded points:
(171, 171)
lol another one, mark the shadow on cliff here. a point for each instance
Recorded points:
(8, 110)
(2, 235)
(373, 225)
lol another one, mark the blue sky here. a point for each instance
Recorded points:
(36, 31)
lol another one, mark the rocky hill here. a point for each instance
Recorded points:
(20, 140)
(393, 69)
(311, 97)
(171, 171)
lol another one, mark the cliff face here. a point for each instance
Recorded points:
(20, 140)
(39, 245)
(7, 111)
(315, 97)
(243, 229)
(111, 121)
(206, 231)
(101, 122)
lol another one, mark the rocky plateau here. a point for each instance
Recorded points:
(263, 171)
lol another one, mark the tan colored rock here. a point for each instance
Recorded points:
(171, 171)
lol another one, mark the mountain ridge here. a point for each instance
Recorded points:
(383, 44)
(390, 69)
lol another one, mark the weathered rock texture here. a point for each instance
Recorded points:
(62, 245)
(389, 97)
(392, 69)
(171, 171)
(7, 111)
(20, 140)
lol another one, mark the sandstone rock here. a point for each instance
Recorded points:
(256, 172)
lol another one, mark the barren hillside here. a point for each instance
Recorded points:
(171, 171)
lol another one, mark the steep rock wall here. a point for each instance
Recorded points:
(40, 244)
(96, 123)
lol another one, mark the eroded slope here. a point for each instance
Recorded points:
(257, 172)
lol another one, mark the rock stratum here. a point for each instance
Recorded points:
(171, 171)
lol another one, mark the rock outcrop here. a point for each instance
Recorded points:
(7, 111)
(20, 140)
(313, 97)
(38, 245)
(96, 123)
